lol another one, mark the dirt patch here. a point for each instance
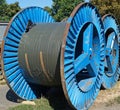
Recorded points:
(106, 99)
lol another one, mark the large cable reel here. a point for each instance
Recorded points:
(111, 74)
(37, 50)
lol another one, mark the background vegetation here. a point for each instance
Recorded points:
(8, 11)
(62, 9)
(108, 7)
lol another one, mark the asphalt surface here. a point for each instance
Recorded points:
(7, 98)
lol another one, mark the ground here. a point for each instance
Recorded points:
(6, 98)
(107, 100)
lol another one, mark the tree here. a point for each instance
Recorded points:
(48, 9)
(62, 8)
(8, 11)
(2, 2)
(108, 7)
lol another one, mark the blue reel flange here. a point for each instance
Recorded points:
(111, 73)
(13, 74)
(82, 56)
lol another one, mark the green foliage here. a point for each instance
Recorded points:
(62, 8)
(108, 7)
(2, 2)
(8, 11)
(48, 9)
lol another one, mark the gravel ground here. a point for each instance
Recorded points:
(104, 107)
(106, 99)
(8, 99)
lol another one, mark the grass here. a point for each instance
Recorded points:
(117, 100)
(113, 101)
(42, 104)
(55, 100)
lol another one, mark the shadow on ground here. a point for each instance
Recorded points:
(11, 96)
(54, 95)
(57, 99)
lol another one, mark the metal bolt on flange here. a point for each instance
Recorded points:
(37, 50)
